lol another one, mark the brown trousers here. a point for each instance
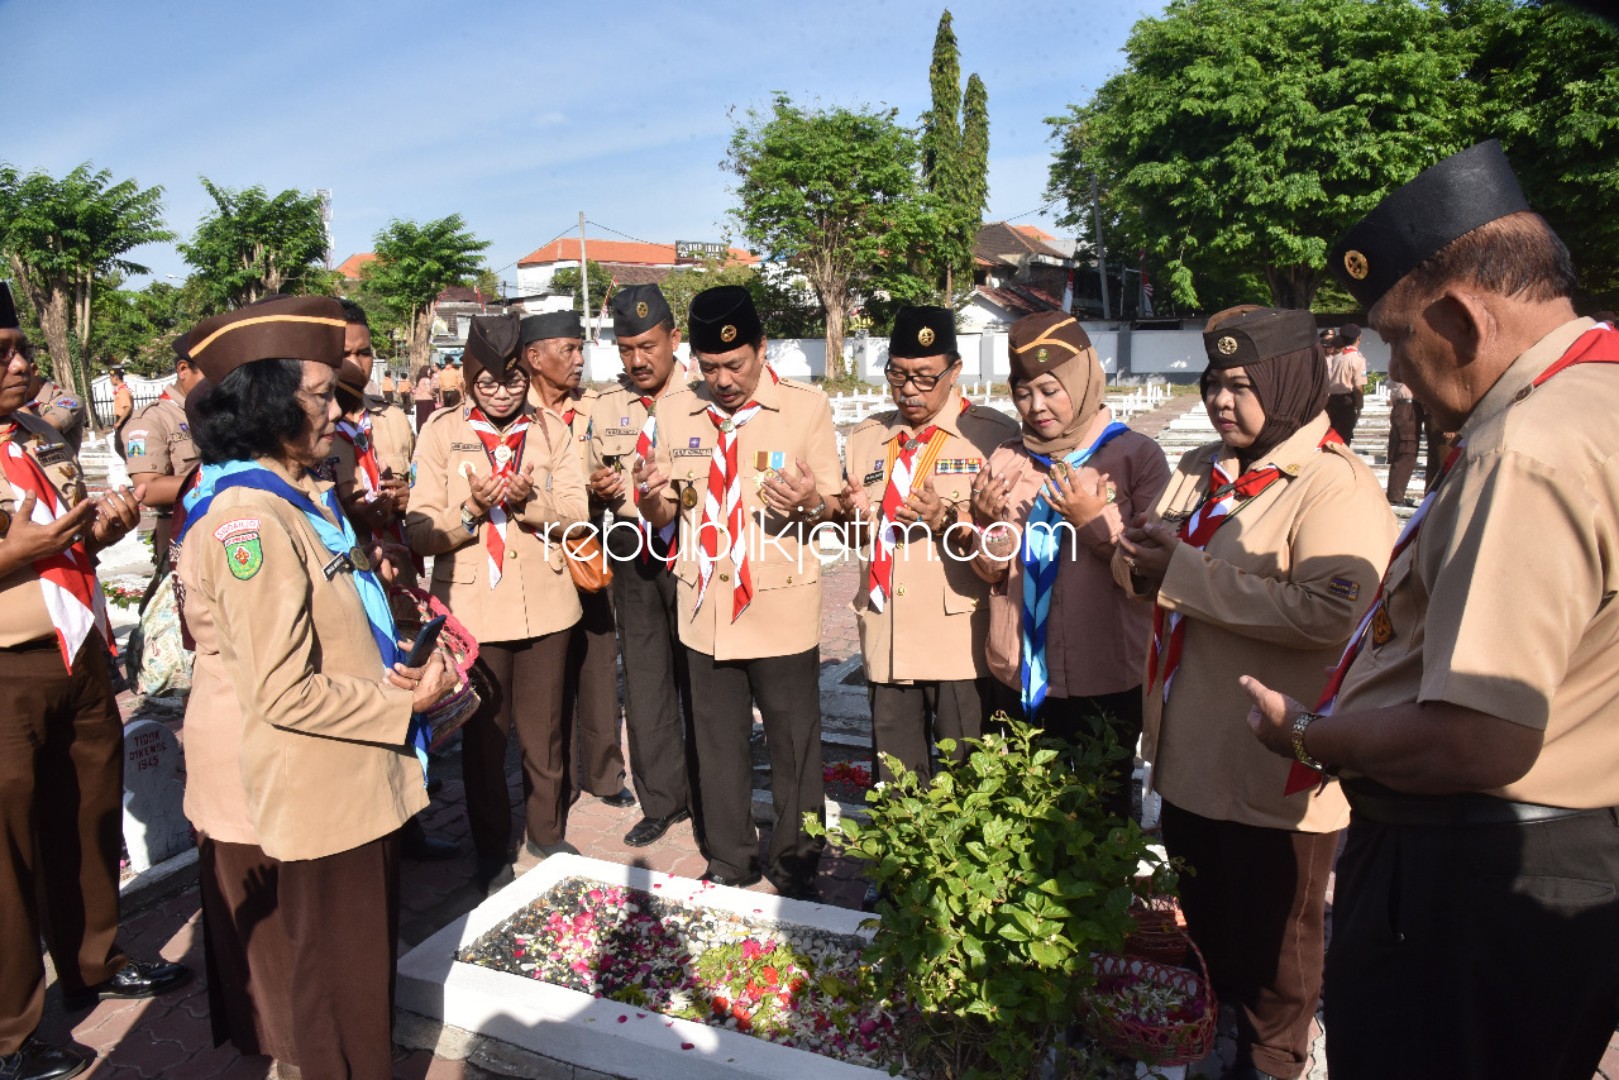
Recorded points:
(908, 720)
(61, 812)
(1256, 907)
(246, 951)
(341, 913)
(525, 680)
(590, 700)
(1405, 440)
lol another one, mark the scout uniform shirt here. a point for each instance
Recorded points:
(934, 620)
(794, 422)
(576, 411)
(1504, 601)
(391, 435)
(1346, 371)
(158, 440)
(293, 740)
(1275, 594)
(62, 411)
(616, 420)
(23, 615)
(535, 594)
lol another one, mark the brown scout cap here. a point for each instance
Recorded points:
(277, 328)
(492, 343)
(1039, 343)
(1256, 336)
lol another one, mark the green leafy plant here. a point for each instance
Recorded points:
(998, 881)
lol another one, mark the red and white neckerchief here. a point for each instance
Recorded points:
(724, 503)
(357, 433)
(68, 579)
(505, 453)
(909, 456)
(1225, 497)
(645, 443)
(1598, 345)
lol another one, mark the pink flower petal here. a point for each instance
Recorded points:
(688, 1046)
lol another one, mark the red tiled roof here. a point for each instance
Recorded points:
(615, 251)
(351, 266)
(1021, 299)
(1000, 242)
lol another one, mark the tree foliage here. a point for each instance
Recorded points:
(253, 244)
(134, 327)
(566, 280)
(955, 165)
(62, 239)
(785, 311)
(835, 194)
(1247, 135)
(414, 264)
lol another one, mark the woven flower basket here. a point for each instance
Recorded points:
(1160, 931)
(412, 608)
(1182, 1034)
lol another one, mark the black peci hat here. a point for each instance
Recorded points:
(1256, 336)
(722, 319)
(1444, 202)
(637, 309)
(492, 343)
(552, 324)
(922, 331)
(8, 310)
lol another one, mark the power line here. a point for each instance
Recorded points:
(625, 235)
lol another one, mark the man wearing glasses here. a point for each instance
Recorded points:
(496, 485)
(553, 355)
(923, 613)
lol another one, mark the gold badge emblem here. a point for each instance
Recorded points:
(727, 334)
(1382, 627)
(1040, 355)
(641, 310)
(688, 498)
(924, 336)
(1227, 345)
(1355, 265)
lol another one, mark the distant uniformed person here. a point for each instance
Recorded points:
(451, 385)
(924, 613)
(1475, 927)
(496, 485)
(1066, 644)
(159, 451)
(60, 409)
(123, 406)
(1346, 381)
(748, 462)
(61, 738)
(554, 357)
(657, 691)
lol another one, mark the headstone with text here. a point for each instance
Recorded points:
(155, 825)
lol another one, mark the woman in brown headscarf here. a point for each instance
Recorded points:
(1064, 641)
(1261, 555)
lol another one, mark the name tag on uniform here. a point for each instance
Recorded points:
(1344, 589)
(466, 446)
(620, 431)
(689, 452)
(873, 477)
(958, 466)
(52, 455)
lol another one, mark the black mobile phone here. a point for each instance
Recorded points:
(425, 642)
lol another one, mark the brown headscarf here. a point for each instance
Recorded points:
(1279, 350)
(1054, 343)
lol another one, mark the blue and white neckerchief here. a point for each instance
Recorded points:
(1040, 565)
(336, 535)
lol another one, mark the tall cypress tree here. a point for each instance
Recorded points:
(975, 150)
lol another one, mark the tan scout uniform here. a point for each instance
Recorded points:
(933, 626)
(158, 440)
(590, 699)
(1275, 595)
(62, 411)
(61, 781)
(395, 443)
(522, 624)
(452, 386)
(771, 653)
(657, 698)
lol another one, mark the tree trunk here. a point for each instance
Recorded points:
(51, 305)
(835, 369)
(1292, 286)
(421, 327)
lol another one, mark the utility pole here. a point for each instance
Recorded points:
(584, 275)
(1101, 248)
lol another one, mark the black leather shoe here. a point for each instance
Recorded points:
(136, 979)
(493, 873)
(796, 890)
(416, 844)
(38, 1060)
(650, 829)
(622, 800)
(731, 882)
(545, 851)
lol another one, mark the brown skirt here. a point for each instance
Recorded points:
(247, 953)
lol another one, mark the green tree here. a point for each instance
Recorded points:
(975, 148)
(566, 280)
(1246, 135)
(785, 312)
(414, 264)
(134, 327)
(834, 194)
(62, 239)
(253, 244)
(955, 164)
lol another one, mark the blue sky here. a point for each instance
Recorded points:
(516, 115)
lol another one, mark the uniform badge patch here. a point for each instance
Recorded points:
(135, 447)
(694, 443)
(67, 403)
(243, 554)
(1344, 589)
(1382, 627)
(623, 421)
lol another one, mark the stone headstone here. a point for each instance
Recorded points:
(155, 825)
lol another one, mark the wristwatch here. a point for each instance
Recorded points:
(815, 513)
(469, 520)
(1301, 724)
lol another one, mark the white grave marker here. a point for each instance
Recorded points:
(155, 825)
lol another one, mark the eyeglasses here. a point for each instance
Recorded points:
(924, 383)
(513, 383)
(11, 352)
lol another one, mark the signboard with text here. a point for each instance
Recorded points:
(699, 251)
